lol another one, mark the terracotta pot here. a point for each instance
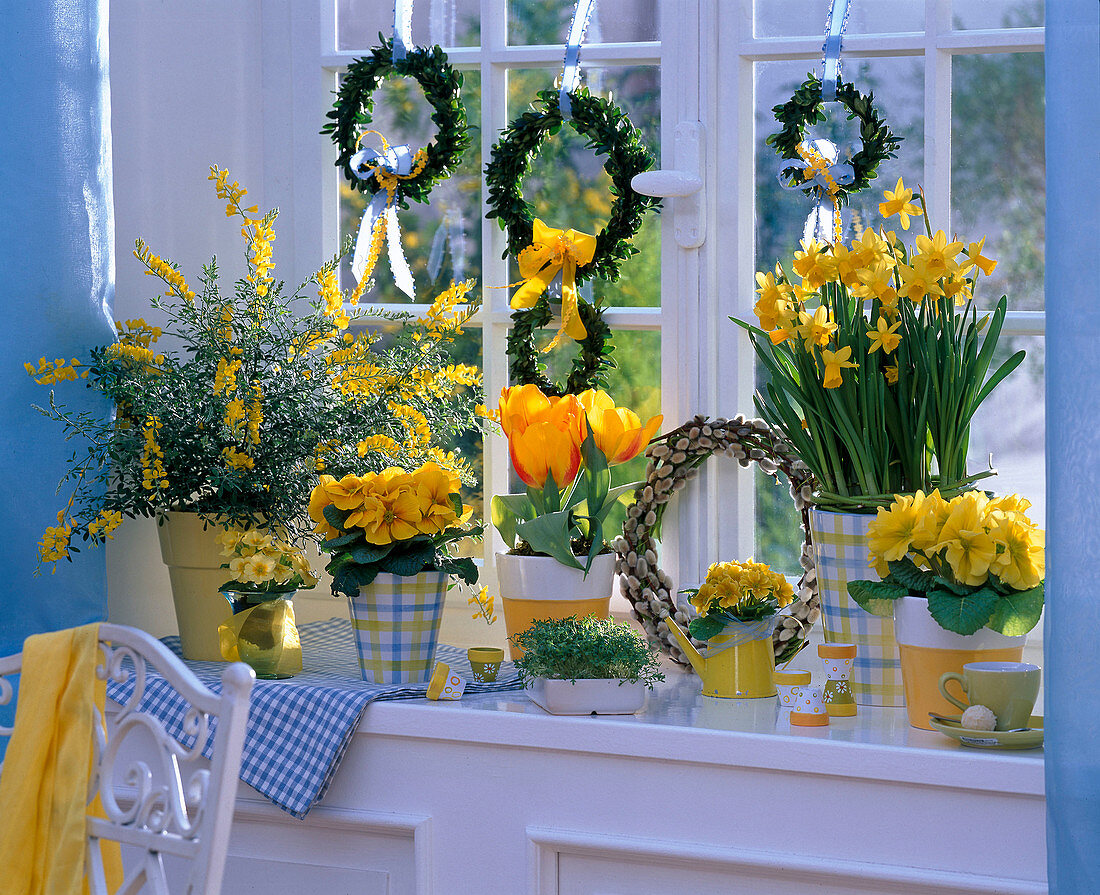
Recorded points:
(840, 555)
(928, 651)
(194, 559)
(540, 587)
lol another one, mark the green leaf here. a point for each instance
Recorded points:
(549, 534)
(963, 614)
(408, 563)
(506, 511)
(369, 553)
(877, 597)
(1017, 612)
(905, 573)
(463, 567)
(341, 541)
(705, 626)
(334, 517)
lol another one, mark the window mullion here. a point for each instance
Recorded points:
(937, 114)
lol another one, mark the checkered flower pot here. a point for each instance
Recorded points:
(840, 554)
(396, 625)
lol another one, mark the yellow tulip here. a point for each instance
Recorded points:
(520, 406)
(543, 449)
(618, 432)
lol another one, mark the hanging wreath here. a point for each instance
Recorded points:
(674, 459)
(590, 366)
(609, 132)
(352, 115)
(806, 109)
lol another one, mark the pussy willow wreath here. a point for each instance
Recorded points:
(674, 459)
(354, 107)
(806, 108)
(590, 366)
(609, 133)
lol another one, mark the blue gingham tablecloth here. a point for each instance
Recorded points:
(299, 729)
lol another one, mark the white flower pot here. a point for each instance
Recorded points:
(587, 696)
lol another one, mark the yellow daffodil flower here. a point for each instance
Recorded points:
(937, 253)
(814, 265)
(976, 258)
(884, 336)
(834, 362)
(899, 202)
(816, 328)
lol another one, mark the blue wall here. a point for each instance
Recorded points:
(56, 287)
(1073, 447)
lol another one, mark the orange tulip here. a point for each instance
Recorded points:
(544, 449)
(520, 406)
(618, 432)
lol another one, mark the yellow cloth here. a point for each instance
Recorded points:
(550, 251)
(44, 785)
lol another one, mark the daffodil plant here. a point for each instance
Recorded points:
(563, 450)
(877, 359)
(977, 560)
(391, 521)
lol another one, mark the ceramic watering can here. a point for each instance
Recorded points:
(736, 665)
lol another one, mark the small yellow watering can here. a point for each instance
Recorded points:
(734, 667)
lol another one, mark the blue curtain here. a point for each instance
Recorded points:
(1073, 447)
(56, 288)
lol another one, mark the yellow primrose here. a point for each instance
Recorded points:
(1019, 562)
(834, 362)
(899, 202)
(890, 535)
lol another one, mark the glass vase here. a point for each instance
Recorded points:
(262, 633)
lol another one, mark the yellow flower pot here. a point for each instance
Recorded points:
(540, 587)
(194, 559)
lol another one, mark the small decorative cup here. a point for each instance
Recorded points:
(837, 659)
(786, 683)
(809, 707)
(485, 662)
(1008, 689)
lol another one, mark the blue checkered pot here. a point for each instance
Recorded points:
(841, 555)
(395, 620)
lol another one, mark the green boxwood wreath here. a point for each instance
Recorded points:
(354, 106)
(591, 365)
(806, 108)
(609, 132)
(674, 459)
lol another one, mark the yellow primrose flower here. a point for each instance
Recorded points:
(890, 535)
(934, 513)
(884, 336)
(834, 362)
(967, 544)
(1019, 562)
(899, 202)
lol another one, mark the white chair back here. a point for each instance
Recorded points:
(176, 805)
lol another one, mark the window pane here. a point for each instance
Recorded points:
(612, 21)
(453, 216)
(998, 13)
(1010, 427)
(448, 23)
(998, 174)
(806, 18)
(569, 188)
(898, 85)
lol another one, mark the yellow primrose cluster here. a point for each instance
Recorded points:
(877, 268)
(54, 545)
(50, 371)
(152, 457)
(161, 267)
(103, 526)
(260, 558)
(391, 505)
(730, 585)
(973, 535)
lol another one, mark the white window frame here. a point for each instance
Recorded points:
(706, 54)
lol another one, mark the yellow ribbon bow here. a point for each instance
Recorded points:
(550, 251)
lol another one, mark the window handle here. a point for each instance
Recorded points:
(684, 183)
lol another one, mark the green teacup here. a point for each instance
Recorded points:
(1008, 689)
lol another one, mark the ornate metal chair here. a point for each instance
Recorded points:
(161, 799)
